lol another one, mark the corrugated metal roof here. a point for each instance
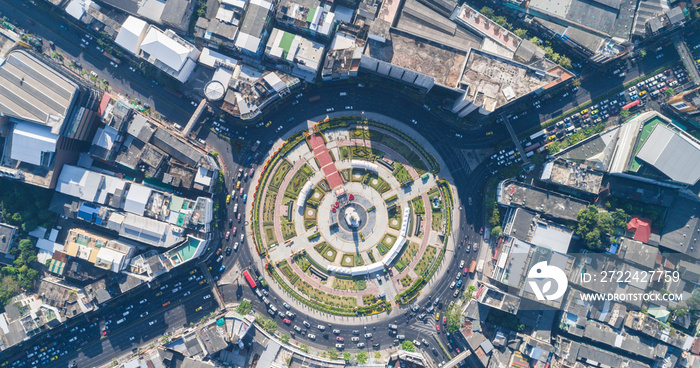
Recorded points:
(673, 154)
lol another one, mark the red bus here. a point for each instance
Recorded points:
(472, 266)
(250, 280)
(630, 105)
(531, 147)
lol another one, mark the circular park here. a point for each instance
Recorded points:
(351, 217)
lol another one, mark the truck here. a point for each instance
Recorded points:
(255, 146)
(314, 98)
(472, 266)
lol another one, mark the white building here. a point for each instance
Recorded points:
(304, 55)
(164, 49)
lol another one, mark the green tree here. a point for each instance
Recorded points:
(535, 40)
(453, 319)
(553, 148)
(576, 82)
(495, 217)
(605, 223)
(377, 355)
(304, 348)
(245, 307)
(361, 357)
(670, 92)
(347, 357)
(284, 338)
(520, 32)
(333, 354)
(642, 53)
(565, 62)
(496, 232)
(408, 346)
(469, 293)
(487, 12)
(625, 113)
(620, 218)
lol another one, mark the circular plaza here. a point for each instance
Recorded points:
(351, 217)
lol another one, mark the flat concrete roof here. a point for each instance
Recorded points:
(412, 53)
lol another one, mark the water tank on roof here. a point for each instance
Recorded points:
(214, 90)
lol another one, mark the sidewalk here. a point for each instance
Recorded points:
(450, 246)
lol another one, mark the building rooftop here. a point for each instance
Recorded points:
(177, 13)
(34, 92)
(250, 35)
(380, 28)
(512, 193)
(176, 148)
(494, 81)
(149, 231)
(295, 49)
(413, 55)
(674, 154)
(532, 229)
(131, 33)
(573, 175)
(306, 14)
(7, 234)
(638, 253)
(167, 48)
(417, 18)
(480, 24)
(88, 185)
(681, 228)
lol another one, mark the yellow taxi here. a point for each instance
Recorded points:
(228, 199)
(198, 309)
(437, 316)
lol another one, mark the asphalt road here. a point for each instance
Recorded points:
(68, 42)
(126, 322)
(287, 113)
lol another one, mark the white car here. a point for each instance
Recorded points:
(286, 306)
(207, 296)
(329, 109)
(414, 121)
(458, 135)
(348, 107)
(152, 322)
(280, 128)
(321, 327)
(311, 336)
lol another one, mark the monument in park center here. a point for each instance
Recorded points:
(352, 218)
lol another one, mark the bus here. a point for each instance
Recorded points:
(531, 147)
(632, 104)
(537, 135)
(472, 266)
(250, 280)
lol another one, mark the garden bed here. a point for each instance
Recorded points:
(425, 260)
(401, 174)
(326, 251)
(348, 260)
(280, 173)
(418, 205)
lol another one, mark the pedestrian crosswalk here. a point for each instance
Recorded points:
(463, 163)
(425, 327)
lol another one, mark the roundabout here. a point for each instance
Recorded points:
(351, 217)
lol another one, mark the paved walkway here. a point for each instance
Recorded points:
(354, 321)
(410, 268)
(325, 161)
